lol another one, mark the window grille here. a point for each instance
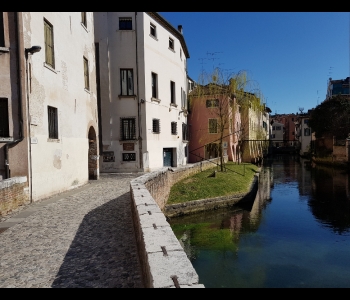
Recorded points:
(128, 129)
(156, 126)
(53, 122)
(173, 127)
(125, 23)
(213, 126)
(4, 118)
(212, 103)
(129, 156)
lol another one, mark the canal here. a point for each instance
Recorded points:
(295, 234)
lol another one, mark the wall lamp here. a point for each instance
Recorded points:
(32, 49)
(142, 101)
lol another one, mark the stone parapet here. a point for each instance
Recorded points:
(164, 261)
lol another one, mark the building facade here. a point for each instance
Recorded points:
(142, 83)
(52, 110)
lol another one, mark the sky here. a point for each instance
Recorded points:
(289, 55)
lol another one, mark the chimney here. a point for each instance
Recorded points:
(179, 28)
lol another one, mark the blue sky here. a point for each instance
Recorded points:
(290, 55)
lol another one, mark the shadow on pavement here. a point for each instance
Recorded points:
(103, 253)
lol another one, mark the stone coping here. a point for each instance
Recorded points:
(6, 183)
(163, 260)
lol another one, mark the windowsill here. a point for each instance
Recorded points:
(4, 49)
(82, 24)
(128, 141)
(171, 49)
(125, 30)
(153, 37)
(49, 67)
(53, 140)
(173, 104)
(6, 139)
(86, 90)
(156, 132)
(155, 100)
(126, 96)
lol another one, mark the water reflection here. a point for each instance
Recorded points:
(294, 234)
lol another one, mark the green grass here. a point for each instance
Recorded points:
(236, 180)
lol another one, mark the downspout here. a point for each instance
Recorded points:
(20, 101)
(138, 100)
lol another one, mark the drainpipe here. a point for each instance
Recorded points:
(20, 101)
(138, 100)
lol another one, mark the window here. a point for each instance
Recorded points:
(155, 126)
(273, 136)
(212, 103)
(83, 18)
(86, 73)
(153, 31)
(171, 43)
(127, 82)
(172, 92)
(306, 121)
(4, 118)
(128, 129)
(306, 131)
(129, 156)
(185, 136)
(125, 23)
(154, 85)
(2, 33)
(213, 126)
(278, 127)
(49, 47)
(173, 127)
(53, 122)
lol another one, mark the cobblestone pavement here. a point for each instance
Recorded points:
(83, 238)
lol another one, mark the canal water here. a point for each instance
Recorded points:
(295, 234)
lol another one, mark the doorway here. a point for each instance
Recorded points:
(167, 157)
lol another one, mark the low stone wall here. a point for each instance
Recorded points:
(179, 209)
(164, 262)
(13, 193)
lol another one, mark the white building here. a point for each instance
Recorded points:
(304, 133)
(277, 134)
(61, 101)
(142, 85)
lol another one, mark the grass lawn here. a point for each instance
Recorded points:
(236, 180)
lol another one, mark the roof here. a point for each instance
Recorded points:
(172, 29)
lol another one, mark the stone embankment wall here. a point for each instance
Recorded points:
(164, 262)
(13, 193)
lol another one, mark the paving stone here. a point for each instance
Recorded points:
(84, 238)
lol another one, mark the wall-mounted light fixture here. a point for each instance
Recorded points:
(33, 49)
(142, 101)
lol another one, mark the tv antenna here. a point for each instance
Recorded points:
(301, 109)
(202, 63)
(330, 72)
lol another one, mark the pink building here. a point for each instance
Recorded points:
(207, 115)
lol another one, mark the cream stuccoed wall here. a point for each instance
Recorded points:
(169, 66)
(60, 164)
(135, 49)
